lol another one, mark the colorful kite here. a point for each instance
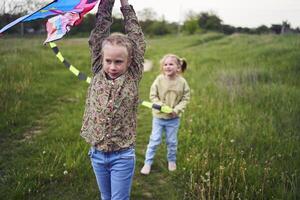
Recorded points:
(67, 13)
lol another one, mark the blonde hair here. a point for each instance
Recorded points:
(181, 62)
(121, 40)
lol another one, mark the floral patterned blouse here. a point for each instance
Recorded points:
(109, 121)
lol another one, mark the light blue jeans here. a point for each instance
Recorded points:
(114, 172)
(170, 126)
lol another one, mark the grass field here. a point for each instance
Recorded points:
(239, 137)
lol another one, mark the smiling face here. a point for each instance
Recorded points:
(115, 60)
(170, 67)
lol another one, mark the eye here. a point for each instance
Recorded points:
(108, 61)
(118, 62)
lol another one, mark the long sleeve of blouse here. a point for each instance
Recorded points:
(100, 32)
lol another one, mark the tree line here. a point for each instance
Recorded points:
(193, 23)
(208, 21)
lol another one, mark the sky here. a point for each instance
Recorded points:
(245, 13)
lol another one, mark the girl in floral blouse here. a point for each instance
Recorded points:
(109, 121)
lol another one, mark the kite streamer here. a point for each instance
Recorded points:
(83, 77)
(73, 69)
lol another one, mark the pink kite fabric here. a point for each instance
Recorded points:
(59, 25)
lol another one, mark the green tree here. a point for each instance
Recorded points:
(210, 21)
(159, 28)
(276, 28)
(190, 25)
(227, 29)
(262, 29)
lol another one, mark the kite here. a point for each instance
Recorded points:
(64, 13)
(83, 77)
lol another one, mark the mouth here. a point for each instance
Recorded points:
(113, 75)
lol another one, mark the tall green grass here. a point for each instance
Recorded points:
(239, 136)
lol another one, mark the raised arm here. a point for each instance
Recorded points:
(100, 32)
(132, 26)
(135, 34)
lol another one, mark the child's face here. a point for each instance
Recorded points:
(170, 67)
(115, 60)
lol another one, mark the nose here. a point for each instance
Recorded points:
(113, 66)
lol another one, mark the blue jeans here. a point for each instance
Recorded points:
(114, 172)
(171, 128)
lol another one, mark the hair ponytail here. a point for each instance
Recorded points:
(183, 64)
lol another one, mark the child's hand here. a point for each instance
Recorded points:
(124, 2)
(173, 114)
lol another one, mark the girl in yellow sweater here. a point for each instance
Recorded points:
(170, 89)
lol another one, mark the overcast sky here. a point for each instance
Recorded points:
(247, 13)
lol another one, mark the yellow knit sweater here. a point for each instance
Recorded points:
(174, 93)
